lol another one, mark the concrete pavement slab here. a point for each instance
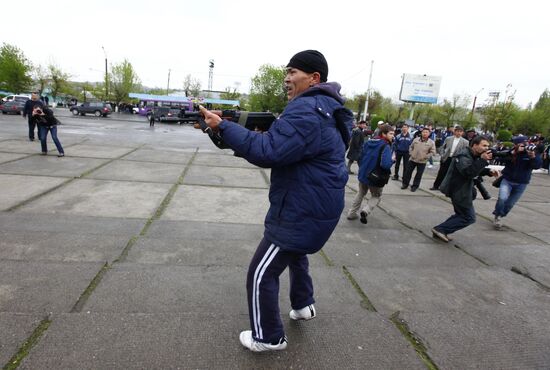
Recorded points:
(98, 151)
(206, 341)
(160, 156)
(20, 146)
(199, 252)
(446, 288)
(538, 207)
(72, 224)
(8, 157)
(15, 328)
(42, 287)
(216, 204)
(205, 230)
(139, 171)
(51, 165)
(18, 188)
(135, 288)
(516, 218)
(102, 199)
(225, 176)
(220, 158)
(479, 339)
(60, 246)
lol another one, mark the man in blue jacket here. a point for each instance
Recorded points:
(305, 149)
(380, 145)
(30, 104)
(401, 148)
(516, 175)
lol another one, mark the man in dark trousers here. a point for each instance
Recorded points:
(453, 144)
(401, 146)
(27, 113)
(458, 184)
(356, 144)
(305, 148)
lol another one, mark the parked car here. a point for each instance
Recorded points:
(166, 114)
(14, 97)
(98, 109)
(14, 105)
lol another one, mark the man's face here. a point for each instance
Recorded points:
(480, 148)
(405, 129)
(425, 134)
(458, 133)
(34, 96)
(297, 81)
(520, 147)
(389, 136)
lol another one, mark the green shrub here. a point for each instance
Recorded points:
(508, 144)
(504, 135)
(374, 121)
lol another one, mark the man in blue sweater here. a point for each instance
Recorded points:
(305, 149)
(516, 175)
(401, 148)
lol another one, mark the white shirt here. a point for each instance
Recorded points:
(456, 140)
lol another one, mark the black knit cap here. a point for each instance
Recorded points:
(310, 61)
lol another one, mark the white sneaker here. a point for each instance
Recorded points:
(306, 313)
(430, 166)
(352, 216)
(497, 222)
(249, 342)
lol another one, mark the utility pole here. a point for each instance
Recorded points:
(368, 92)
(210, 74)
(474, 104)
(106, 76)
(168, 85)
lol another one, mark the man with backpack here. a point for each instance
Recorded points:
(376, 160)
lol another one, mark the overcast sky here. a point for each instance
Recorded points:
(470, 44)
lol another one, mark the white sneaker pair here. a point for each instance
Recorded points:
(248, 341)
(497, 222)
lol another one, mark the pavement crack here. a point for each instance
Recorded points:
(90, 289)
(28, 344)
(365, 301)
(414, 340)
(527, 275)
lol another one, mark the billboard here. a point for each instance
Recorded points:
(419, 88)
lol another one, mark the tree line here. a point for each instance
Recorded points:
(18, 74)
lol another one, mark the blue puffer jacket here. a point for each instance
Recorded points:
(520, 169)
(370, 158)
(305, 148)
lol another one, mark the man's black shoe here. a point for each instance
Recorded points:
(395, 178)
(404, 186)
(434, 188)
(363, 215)
(413, 188)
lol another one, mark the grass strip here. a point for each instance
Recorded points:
(31, 341)
(365, 301)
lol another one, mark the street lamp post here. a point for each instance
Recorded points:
(106, 76)
(474, 104)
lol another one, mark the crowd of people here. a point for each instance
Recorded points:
(464, 158)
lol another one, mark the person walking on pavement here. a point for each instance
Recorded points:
(453, 144)
(420, 150)
(45, 120)
(27, 113)
(375, 148)
(356, 144)
(401, 146)
(305, 148)
(432, 137)
(458, 184)
(516, 175)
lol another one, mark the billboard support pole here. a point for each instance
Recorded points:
(412, 111)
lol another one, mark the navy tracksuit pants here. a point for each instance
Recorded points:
(262, 285)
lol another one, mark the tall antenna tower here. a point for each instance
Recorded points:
(210, 74)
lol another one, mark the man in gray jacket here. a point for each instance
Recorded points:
(453, 144)
(421, 149)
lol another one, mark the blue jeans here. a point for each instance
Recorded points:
(464, 216)
(43, 135)
(508, 194)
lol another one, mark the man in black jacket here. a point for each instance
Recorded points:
(27, 113)
(458, 184)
